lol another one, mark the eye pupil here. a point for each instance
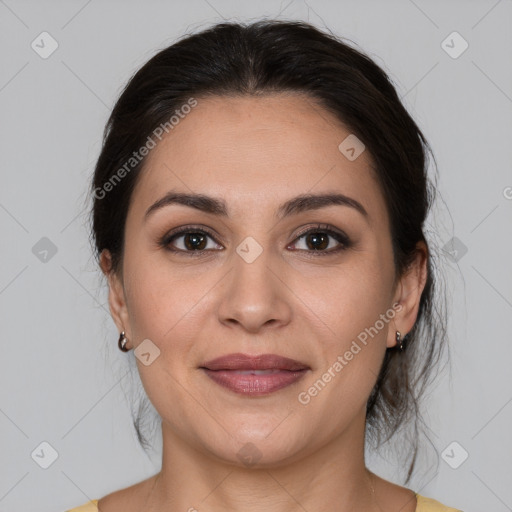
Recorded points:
(319, 240)
(195, 241)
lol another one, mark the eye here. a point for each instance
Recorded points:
(189, 239)
(323, 240)
(320, 239)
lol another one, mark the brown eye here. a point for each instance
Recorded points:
(195, 241)
(189, 240)
(317, 241)
(322, 240)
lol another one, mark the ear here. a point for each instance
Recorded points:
(408, 294)
(116, 297)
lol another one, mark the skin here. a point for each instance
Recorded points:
(255, 153)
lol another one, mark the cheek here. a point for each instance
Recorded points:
(160, 299)
(358, 315)
(348, 298)
(166, 309)
(353, 304)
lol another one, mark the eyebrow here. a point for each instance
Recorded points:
(294, 206)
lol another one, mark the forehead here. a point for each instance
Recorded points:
(257, 151)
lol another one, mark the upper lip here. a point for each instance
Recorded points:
(260, 362)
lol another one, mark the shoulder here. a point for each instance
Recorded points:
(395, 497)
(430, 505)
(90, 506)
(128, 499)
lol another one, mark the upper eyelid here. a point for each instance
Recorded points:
(321, 228)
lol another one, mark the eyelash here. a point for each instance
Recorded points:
(343, 239)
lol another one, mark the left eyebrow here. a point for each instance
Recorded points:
(308, 202)
(294, 206)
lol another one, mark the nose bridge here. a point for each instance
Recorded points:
(253, 263)
(252, 279)
(254, 296)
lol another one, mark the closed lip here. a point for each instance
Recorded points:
(242, 362)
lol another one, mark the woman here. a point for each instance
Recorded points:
(258, 211)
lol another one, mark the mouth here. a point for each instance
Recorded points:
(254, 375)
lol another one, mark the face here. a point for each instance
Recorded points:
(259, 272)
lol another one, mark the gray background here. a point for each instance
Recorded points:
(63, 380)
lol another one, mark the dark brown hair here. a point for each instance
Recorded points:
(268, 57)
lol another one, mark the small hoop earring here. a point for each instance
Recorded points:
(122, 342)
(399, 341)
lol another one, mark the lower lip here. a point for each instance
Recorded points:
(254, 385)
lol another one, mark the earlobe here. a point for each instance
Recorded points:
(409, 291)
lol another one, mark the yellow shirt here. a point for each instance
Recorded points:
(424, 505)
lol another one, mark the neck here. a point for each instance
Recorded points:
(332, 477)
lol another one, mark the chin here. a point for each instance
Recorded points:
(259, 447)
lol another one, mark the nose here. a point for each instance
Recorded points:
(255, 295)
